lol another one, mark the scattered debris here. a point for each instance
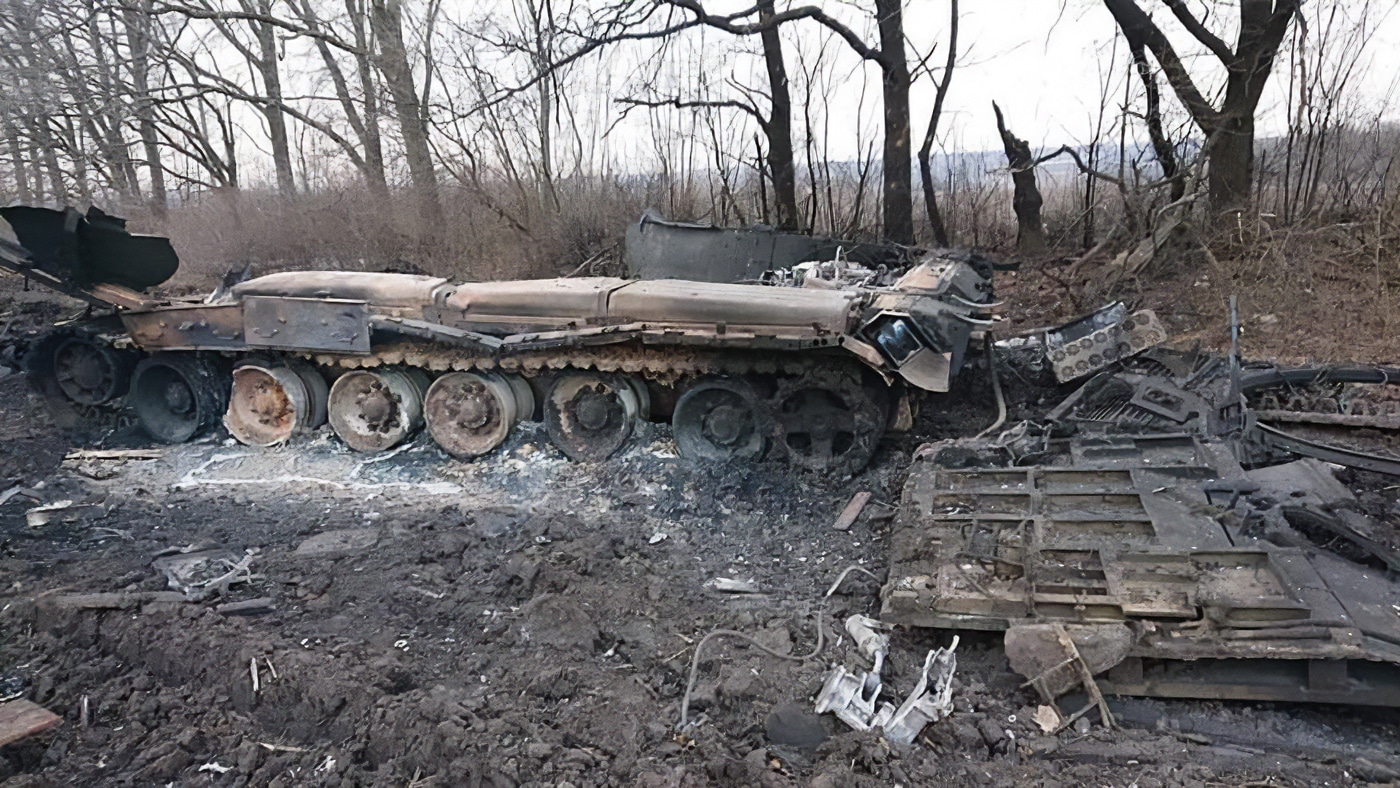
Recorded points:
(202, 574)
(658, 537)
(20, 719)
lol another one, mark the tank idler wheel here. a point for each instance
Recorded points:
(719, 419)
(90, 373)
(375, 410)
(589, 415)
(829, 422)
(471, 413)
(273, 400)
(178, 396)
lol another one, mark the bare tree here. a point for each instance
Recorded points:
(139, 20)
(935, 217)
(1262, 26)
(386, 22)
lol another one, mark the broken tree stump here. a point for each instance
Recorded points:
(1026, 200)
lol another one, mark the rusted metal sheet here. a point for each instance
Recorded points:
(306, 324)
(202, 327)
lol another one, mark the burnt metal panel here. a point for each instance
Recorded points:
(658, 249)
(193, 327)
(306, 324)
(1104, 541)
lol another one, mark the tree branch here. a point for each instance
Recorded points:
(1197, 29)
(677, 103)
(1137, 26)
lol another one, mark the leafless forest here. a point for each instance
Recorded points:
(519, 137)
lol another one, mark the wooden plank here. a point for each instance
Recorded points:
(852, 511)
(20, 719)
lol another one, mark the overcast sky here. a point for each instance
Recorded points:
(1042, 60)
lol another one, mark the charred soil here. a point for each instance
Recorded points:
(523, 620)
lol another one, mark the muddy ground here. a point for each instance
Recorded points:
(524, 620)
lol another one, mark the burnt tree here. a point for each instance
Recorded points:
(1026, 201)
(1229, 127)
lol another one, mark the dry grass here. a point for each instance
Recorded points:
(1315, 291)
(1323, 293)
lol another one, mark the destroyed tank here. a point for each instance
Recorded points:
(817, 374)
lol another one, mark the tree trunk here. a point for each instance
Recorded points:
(1230, 129)
(1231, 173)
(369, 125)
(25, 193)
(778, 128)
(935, 217)
(1026, 201)
(1161, 146)
(898, 169)
(386, 23)
(272, 110)
(138, 36)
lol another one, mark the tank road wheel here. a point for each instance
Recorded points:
(828, 421)
(272, 400)
(376, 410)
(720, 419)
(178, 396)
(589, 415)
(471, 413)
(90, 373)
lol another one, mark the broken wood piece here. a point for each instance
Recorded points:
(728, 585)
(248, 607)
(27, 492)
(21, 719)
(851, 513)
(1047, 718)
(1086, 678)
(118, 600)
(114, 454)
(63, 512)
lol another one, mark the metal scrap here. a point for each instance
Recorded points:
(854, 697)
(1100, 339)
(1215, 570)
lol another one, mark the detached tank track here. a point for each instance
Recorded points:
(665, 365)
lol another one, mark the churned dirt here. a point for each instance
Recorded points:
(524, 620)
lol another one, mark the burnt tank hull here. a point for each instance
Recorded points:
(815, 373)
